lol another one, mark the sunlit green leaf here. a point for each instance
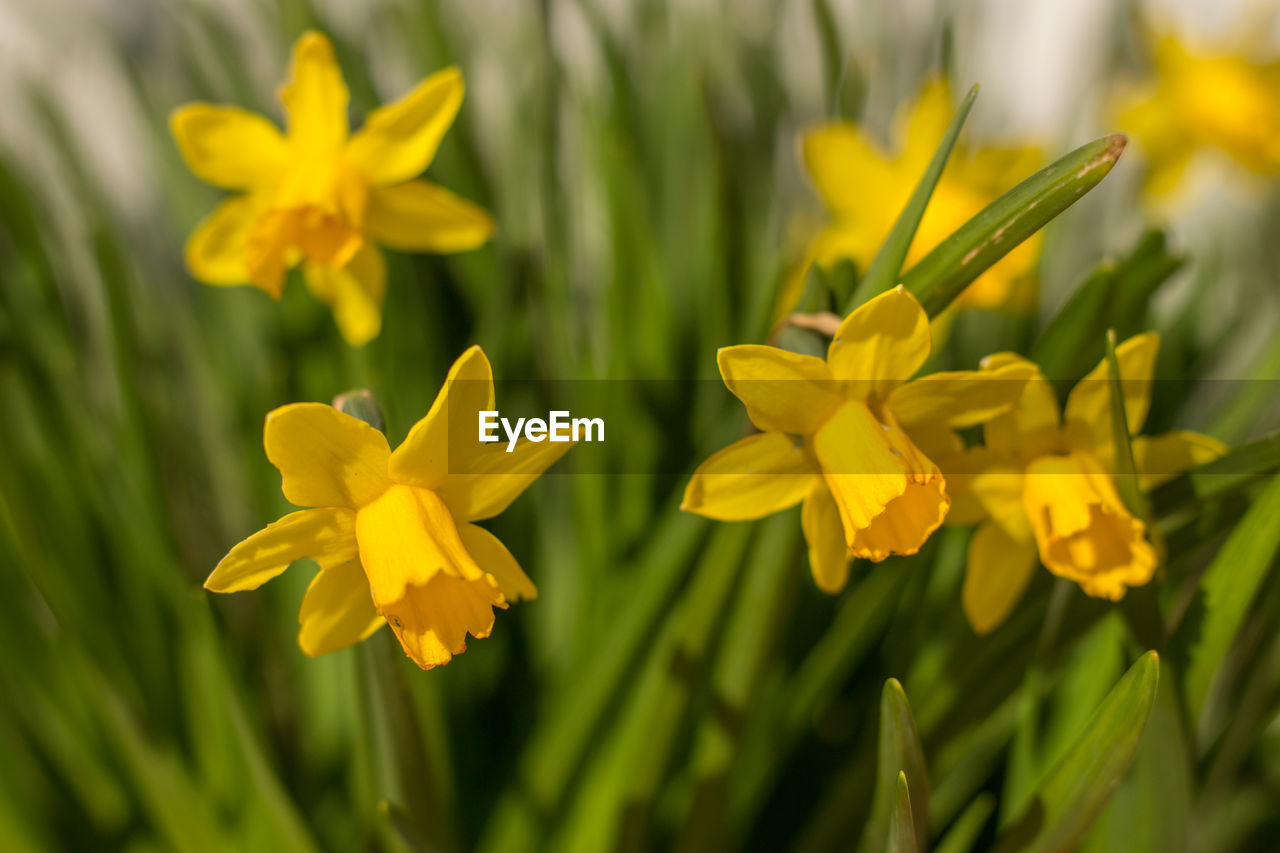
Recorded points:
(945, 272)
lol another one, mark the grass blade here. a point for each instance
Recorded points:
(964, 834)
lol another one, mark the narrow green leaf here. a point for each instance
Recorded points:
(1116, 295)
(964, 833)
(1150, 811)
(902, 829)
(883, 271)
(1226, 592)
(1076, 789)
(945, 272)
(899, 753)
(1140, 605)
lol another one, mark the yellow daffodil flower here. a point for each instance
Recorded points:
(394, 533)
(321, 197)
(1200, 101)
(1043, 486)
(849, 436)
(865, 188)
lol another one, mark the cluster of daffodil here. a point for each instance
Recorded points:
(879, 466)
(874, 455)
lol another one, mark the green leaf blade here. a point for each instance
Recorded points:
(944, 273)
(1227, 591)
(1078, 787)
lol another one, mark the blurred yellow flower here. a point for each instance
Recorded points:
(1042, 484)
(1204, 101)
(319, 197)
(393, 533)
(849, 436)
(865, 188)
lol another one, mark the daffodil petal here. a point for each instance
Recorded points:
(419, 216)
(215, 252)
(891, 497)
(848, 169)
(428, 454)
(406, 537)
(490, 478)
(229, 147)
(757, 476)
(961, 398)
(881, 344)
(399, 139)
(1160, 458)
(920, 127)
(937, 441)
(354, 292)
(493, 557)
(1032, 426)
(315, 98)
(326, 535)
(337, 610)
(783, 391)
(326, 457)
(824, 534)
(432, 620)
(998, 571)
(985, 484)
(1088, 412)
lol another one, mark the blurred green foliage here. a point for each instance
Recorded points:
(677, 683)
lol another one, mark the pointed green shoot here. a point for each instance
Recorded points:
(902, 829)
(899, 752)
